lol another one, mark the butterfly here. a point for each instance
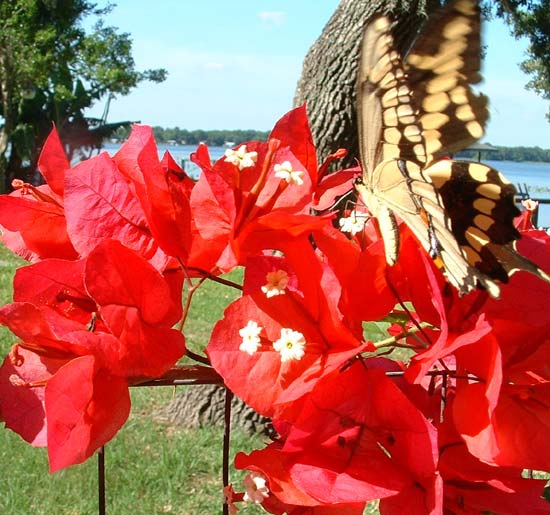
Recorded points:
(413, 112)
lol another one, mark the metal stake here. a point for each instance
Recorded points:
(101, 480)
(226, 444)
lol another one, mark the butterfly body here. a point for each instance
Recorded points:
(388, 197)
(413, 113)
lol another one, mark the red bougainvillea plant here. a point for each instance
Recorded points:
(449, 427)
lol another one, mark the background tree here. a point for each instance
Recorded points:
(328, 80)
(531, 19)
(51, 70)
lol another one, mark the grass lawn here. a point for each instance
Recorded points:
(151, 467)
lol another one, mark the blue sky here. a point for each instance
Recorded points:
(234, 65)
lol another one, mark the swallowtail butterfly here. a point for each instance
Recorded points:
(412, 113)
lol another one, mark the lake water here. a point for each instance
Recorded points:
(535, 177)
(531, 177)
(180, 153)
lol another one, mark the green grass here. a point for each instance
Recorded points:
(207, 307)
(151, 467)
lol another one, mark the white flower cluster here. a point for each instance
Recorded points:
(256, 488)
(354, 223)
(291, 344)
(241, 158)
(285, 171)
(276, 283)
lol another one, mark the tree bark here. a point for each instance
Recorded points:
(327, 86)
(328, 81)
(7, 108)
(203, 405)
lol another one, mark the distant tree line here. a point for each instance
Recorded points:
(220, 137)
(517, 154)
(194, 137)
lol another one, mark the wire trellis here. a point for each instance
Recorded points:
(179, 376)
(188, 375)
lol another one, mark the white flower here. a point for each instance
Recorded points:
(354, 223)
(285, 171)
(276, 283)
(241, 158)
(290, 345)
(255, 484)
(15, 380)
(251, 337)
(530, 204)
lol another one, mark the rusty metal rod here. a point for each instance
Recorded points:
(101, 480)
(226, 444)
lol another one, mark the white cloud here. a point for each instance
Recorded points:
(273, 17)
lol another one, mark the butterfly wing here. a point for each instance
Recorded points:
(412, 113)
(387, 118)
(388, 130)
(423, 108)
(441, 67)
(479, 204)
(407, 191)
(369, 112)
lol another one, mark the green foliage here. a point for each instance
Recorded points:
(194, 137)
(536, 26)
(517, 154)
(51, 69)
(531, 19)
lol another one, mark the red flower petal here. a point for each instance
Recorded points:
(41, 224)
(332, 187)
(137, 306)
(284, 496)
(345, 423)
(522, 426)
(262, 380)
(53, 163)
(85, 407)
(473, 487)
(58, 284)
(117, 275)
(293, 131)
(170, 166)
(100, 205)
(163, 190)
(475, 401)
(347, 447)
(21, 405)
(43, 329)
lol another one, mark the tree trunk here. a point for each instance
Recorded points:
(6, 111)
(328, 81)
(327, 85)
(203, 405)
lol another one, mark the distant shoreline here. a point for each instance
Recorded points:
(534, 155)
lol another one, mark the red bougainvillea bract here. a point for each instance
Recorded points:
(382, 382)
